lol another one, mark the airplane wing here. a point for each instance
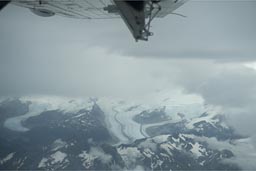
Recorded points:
(137, 14)
(80, 9)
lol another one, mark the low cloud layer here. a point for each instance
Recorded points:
(229, 86)
(243, 150)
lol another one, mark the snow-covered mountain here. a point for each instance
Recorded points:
(109, 134)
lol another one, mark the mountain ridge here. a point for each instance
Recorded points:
(80, 138)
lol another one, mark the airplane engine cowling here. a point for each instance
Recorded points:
(42, 12)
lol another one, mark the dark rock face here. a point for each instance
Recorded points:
(147, 117)
(201, 128)
(58, 140)
(176, 152)
(11, 108)
(86, 124)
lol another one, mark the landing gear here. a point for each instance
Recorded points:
(152, 9)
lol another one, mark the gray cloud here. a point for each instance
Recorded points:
(229, 86)
(218, 30)
(243, 150)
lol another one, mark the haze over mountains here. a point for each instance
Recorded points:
(103, 133)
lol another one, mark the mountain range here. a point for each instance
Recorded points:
(47, 133)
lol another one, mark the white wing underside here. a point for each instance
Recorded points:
(137, 15)
(81, 9)
(89, 9)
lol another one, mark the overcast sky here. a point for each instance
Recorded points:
(211, 53)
